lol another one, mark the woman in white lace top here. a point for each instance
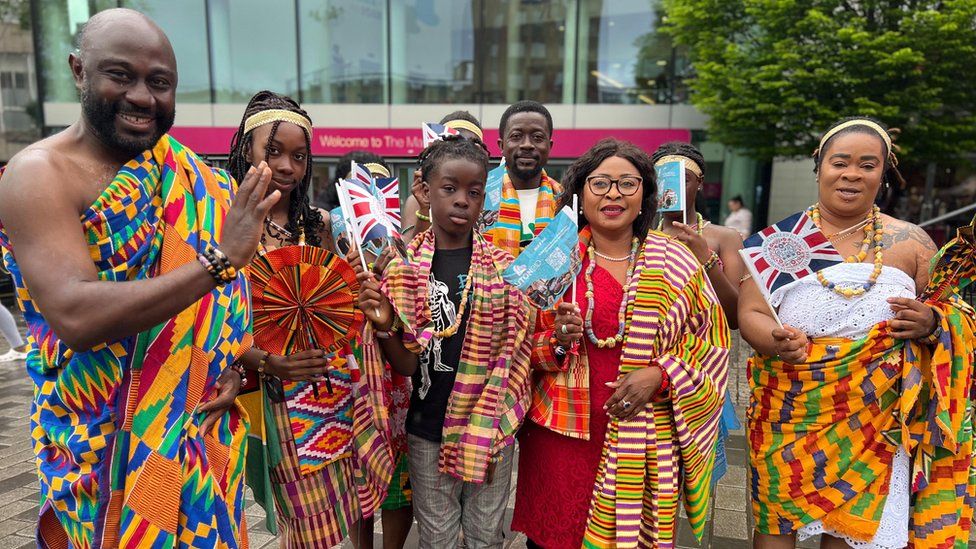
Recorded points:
(825, 386)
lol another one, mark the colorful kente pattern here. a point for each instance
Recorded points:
(506, 232)
(954, 266)
(321, 421)
(823, 433)
(666, 454)
(120, 457)
(492, 387)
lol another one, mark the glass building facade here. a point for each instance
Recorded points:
(395, 51)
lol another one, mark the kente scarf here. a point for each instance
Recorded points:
(121, 460)
(666, 453)
(506, 232)
(823, 433)
(491, 390)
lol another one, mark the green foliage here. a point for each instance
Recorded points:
(774, 74)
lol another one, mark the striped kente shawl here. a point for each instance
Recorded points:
(666, 453)
(492, 386)
(120, 457)
(823, 433)
(506, 232)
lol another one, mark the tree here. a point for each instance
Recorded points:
(773, 74)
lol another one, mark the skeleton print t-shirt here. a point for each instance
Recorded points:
(433, 381)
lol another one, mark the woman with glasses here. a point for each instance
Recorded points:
(629, 375)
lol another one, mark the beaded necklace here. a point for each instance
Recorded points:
(699, 228)
(452, 329)
(873, 232)
(613, 340)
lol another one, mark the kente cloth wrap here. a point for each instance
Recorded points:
(318, 506)
(121, 459)
(506, 231)
(823, 433)
(666, 453)
(492, 386)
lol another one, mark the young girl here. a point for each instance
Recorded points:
(434, 319)
(315, 504)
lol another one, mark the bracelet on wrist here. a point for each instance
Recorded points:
(217, 265)
(662, 390)
(712, 261)
(263, 364)
(423, 217)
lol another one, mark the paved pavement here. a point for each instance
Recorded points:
(730, 527)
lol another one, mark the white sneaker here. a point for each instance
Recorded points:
(12, 355)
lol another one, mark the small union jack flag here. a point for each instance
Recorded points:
(786, 252)
(434, 132)
(366, 213)
(360, 174)
(387, 191)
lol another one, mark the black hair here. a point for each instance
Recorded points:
(299, 208)
(575, 178)
(890, 172)
(526, 105)
(450, 147)
(682, 149)
(737, 198)
(460, 115)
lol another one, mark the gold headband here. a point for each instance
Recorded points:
(277, 115)
(690, 164)
(859, 122)
(377, 169)
(465, 125)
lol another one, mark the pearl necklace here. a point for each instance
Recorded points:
(874, 232)
(613, 340)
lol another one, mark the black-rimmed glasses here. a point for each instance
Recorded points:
(626, 185)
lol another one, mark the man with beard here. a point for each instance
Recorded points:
(529, 196)
(125, 249)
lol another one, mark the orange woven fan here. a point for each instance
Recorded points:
(304, 298)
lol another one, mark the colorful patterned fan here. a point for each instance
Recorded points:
(304, 298)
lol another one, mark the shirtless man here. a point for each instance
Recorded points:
(124, 247)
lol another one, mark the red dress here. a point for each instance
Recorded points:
(555, 472)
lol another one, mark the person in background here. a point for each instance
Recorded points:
(739, 218)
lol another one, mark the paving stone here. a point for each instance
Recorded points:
(730, 524)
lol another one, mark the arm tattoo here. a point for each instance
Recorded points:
(895, 233)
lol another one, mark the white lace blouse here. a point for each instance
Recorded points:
(820, 312)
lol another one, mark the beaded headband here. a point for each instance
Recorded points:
(377, 169)
(690, 164)
(277, 115)
(859, 122)
(465, 125)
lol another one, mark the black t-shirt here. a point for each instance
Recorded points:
(433, 381)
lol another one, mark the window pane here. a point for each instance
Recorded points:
(253, 47)
(17, 121)
(185, 23)
(343, 51)
(625, 58)
(58, 23)
(432, 51)
(523, 51)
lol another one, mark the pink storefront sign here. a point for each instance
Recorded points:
(407, 142)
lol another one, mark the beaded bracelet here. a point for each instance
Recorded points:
(217, 265)
(665, 384)
(422, 216)
(712, 261)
